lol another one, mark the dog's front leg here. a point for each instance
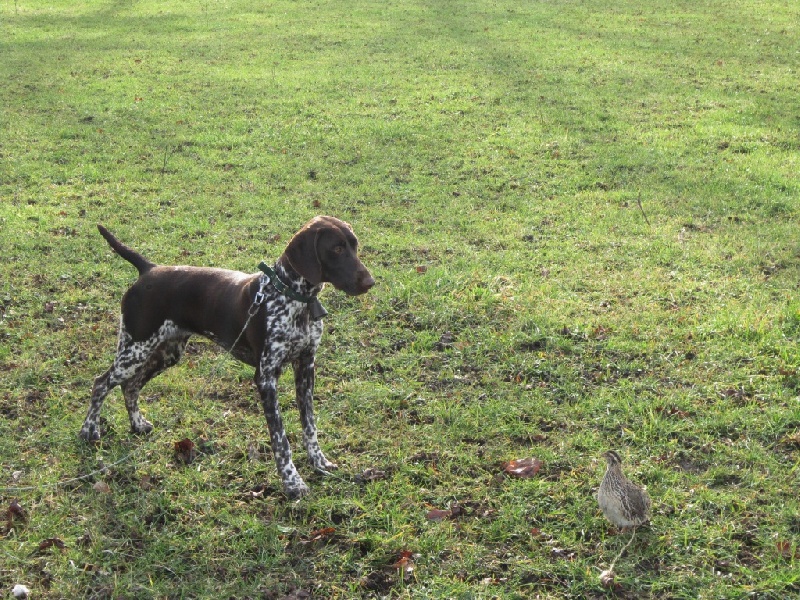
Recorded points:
(266, 381)
(304, 386)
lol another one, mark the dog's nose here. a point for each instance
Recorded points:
(365, 282)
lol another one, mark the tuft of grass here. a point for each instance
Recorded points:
(582, 218)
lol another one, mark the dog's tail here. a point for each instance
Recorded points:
(132, 256)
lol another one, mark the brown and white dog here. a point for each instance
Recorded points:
(267, 320)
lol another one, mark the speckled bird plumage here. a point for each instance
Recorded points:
(623, 502)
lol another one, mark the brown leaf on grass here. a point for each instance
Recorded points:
(51, 543)
(184, 451)
(422, 269)
(461, 509)
(792, 440)
(404, 561)
(102, 487)
(370, 475)
(673, 411)
(524, 468)
(737, 393)
(14, 513)
(540, 535)
(600, 332)
(438, 514)
(325, 531)
(321, 534)
(299, 542)
(784, 548)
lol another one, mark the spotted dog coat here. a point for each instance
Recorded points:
(168, 304)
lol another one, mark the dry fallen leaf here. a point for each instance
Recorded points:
(321, 534)
(184, 451)
(14, 513)
(600, 332)
(673, 412)
(540, 535)
(792, 440)
(784, 548)
(438, 514)
(404, 561)
(102, 487)
(370, 475)
(51, 543)
(524, 468)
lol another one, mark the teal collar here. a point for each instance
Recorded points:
(317, 310)
(282, 287)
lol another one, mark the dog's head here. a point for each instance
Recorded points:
(326, 250)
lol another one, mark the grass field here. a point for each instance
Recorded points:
(583, 219)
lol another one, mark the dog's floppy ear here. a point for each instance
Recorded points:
(301, 252)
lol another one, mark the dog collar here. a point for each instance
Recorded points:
(317, 310)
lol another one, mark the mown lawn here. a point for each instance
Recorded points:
(583, 220)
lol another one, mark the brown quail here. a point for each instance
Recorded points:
(623, 502)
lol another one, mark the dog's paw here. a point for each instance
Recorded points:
(90, 434)
(326, 467)
(296, 491)
(142, 427)
(321, 464)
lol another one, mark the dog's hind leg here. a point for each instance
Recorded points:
(132, 359)
(90, 431)
(162, 358)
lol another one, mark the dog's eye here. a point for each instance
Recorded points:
(338, 249)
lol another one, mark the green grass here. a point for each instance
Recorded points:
(583, 219)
